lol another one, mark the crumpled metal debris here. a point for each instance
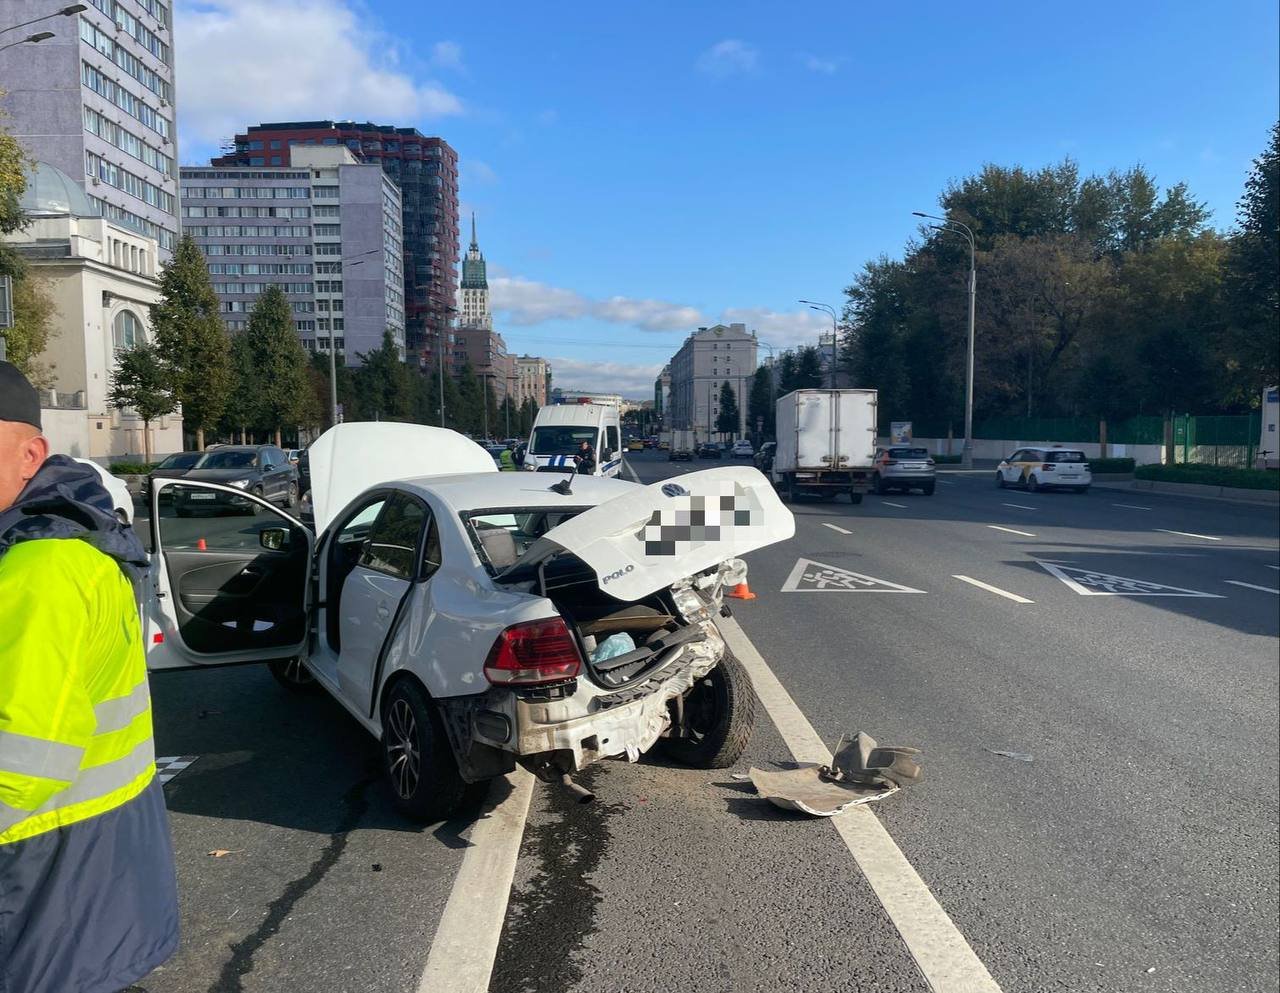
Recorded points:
(860, 772)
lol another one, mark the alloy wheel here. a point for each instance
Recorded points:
(403, 757)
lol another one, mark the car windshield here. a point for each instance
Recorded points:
(908, 453)
(227, 460)
(501, 537)
(560, 440)
(1064, 456)
(183, 460)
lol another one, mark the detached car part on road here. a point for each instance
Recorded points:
(472, 619)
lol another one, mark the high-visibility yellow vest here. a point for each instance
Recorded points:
(75, 708)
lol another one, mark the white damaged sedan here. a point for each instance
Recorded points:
(472, 619)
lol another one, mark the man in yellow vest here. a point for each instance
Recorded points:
(88, 902)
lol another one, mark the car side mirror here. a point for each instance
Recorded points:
(274, 539)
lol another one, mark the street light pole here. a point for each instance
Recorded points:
(956, 227)
(333, 344)
(39, 36)
(66, 11)
(835, 335)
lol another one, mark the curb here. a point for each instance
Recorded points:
(1229, 494)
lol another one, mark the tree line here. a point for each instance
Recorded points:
(1097, 296)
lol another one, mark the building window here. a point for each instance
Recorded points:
(127, 330)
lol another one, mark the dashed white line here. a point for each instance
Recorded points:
(1130, 506)
(993, 589)
(1275, 567)
(997, 527)
(466, 941)
(900, 506)
(835, 527)
(1188, 534)
(941, 953)
(1020, 506)
(1253, 586)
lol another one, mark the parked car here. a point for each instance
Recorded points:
(903, 467)
(664, 446)
(121, 498)
(636, 445)
(1045, 469)
(741, 449)
(473, 620)
(679, 455)
(173, 467)
(709, 450)
(763, 459)
(260, 470)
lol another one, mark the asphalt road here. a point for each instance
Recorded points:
(1135, 850)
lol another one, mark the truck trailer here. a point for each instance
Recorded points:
(826, 443)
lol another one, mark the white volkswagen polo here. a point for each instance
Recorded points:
(472, 619)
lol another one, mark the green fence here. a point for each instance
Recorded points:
(1136, 431)
(1216, 439)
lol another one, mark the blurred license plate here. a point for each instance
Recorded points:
(203, 496)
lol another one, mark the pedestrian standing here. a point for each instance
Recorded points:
(88, 900)
(585, 459)
(506, 461)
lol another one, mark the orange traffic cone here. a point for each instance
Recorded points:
(201, 546)
(742, 592)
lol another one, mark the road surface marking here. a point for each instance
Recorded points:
(1252, 586)
(815, 577)
(947, 482)
(1276, 567)
(1188, 534)
(1089, 582)
(900, 506)
(168, 766)
(993, 589)
(1020, 506)
(997, 527)
(1130, 506)
(466, 941)
(628, 467)
(941, 953)
(834, 527)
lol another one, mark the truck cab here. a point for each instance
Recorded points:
(559, 431)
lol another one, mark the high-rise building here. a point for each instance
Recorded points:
(532, 380)
(709, 358)
(96, 102)
(487, 352)
(326, 230)
(473, 291)
(426, 170)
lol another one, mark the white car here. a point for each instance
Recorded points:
(1045, 469)
(119, 490)
(472, 619)
(742, 449)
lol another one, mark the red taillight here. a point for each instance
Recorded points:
(533, 652)
(1047, 467)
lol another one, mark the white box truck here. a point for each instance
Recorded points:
(826, 443)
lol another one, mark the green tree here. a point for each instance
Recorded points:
(470, 404)
(33, 325)
(14, 164)
(382, 383)
(760, 404)
(144, 383)
(809, 369)
(192, 339)
(278, 372)
(729, 417)
(244, 414)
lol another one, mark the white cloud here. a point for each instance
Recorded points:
(525, 302)
(728, 58)
(652, 315)
(447, 55)
(244, 61)
(478, 172)
(635, 382)
(781, 329)
(818, 63)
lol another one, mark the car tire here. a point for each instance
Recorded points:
(416, 757)
(255, 508)
(293, 675)
(720, 711)
(855, 498)
(291, 497)
(1033, 484)
(928, 489)
(1082, 489)
(1000, 483)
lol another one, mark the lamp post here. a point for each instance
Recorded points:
(333, 344)
(835, 334)
(955, 227)
(39, 36)
(66, 11)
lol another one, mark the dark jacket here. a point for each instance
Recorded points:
(90, 905)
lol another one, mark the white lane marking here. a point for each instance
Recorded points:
(993, 589)
(1276, 567)
(1188, 534)
(997, 527)
(947, 482)
(1252, 586)
(900, 506)
(627, 467)
(834, 527)
(941, 953)
(1090, 582)
(466, 941)
(1130, 506)
(816, 577)
(1020, 506)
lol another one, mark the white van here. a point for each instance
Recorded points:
(559, 431)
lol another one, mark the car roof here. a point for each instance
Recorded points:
(481, 490)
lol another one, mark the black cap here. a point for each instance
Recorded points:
(19, 400)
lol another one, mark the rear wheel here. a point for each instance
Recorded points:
(1000, 483)
(424, 778)
(291, 497)
(927, 489)
(855, 497)
(1033, 484)
(1082, 489)
(719, 714)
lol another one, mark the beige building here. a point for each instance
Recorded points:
(102, 279)
(708, 359)
(533, 379)
(487, 352)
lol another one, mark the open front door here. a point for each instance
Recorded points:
(229, 577)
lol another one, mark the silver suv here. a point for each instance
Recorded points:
(903, 467)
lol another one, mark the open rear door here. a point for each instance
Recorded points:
(229, 577)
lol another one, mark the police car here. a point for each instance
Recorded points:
(1036, 469)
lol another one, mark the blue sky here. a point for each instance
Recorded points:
(640, 169)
